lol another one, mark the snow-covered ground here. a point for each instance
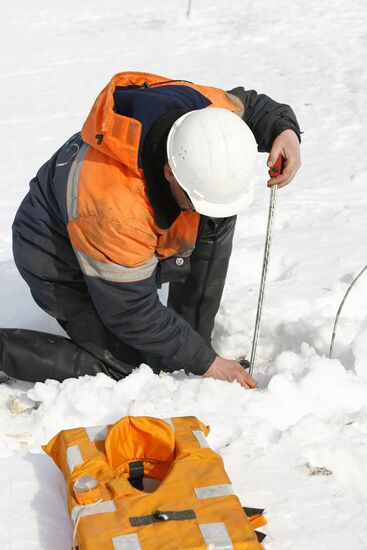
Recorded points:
(298, 445)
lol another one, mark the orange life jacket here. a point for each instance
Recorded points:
(110, 219)
(194, 507)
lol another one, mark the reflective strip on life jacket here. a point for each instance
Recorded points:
(170, 423)
(115, 272)
(126, 542)
(214, 491)
(105, 507)
(73, 457)
(97, 433)
(202, 440)
(216, 536)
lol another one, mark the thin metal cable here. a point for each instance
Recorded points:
(188, 8)
(272, 203)
(340, 309)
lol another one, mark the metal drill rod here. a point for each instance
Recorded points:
(340, 310)
(269, 234)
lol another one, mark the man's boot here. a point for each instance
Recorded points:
(35, 356)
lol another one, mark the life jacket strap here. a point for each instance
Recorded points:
(136, 474)
(260, 536)
(255, 515)
(159, 515)
(252, 511)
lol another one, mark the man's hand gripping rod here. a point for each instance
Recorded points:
(273, 172)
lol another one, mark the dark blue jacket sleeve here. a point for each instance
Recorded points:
(134, 313)
(265, 117)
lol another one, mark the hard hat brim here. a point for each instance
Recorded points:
(224, 210)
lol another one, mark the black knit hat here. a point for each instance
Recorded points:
(154, 157)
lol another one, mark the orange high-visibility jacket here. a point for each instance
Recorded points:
(194, 507)
(107, 181)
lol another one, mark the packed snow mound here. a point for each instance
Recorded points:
(304, 430)
(305, 391)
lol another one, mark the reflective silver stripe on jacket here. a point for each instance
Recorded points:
(97, 433)
(107, 506)
(90, 267)
(73, 183)
(170, 423)
(73, 457)
(126, 542)
(214, 491)
(115, 272)
(216, 536)
(202, 440)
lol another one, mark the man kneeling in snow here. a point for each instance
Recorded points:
(147, 193)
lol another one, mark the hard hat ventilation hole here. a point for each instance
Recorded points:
(197, 195)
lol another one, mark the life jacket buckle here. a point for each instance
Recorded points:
(160, 516)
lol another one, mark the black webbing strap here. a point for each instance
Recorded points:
(252, 511)
(260, 536)
(255, 512)
(157, 516)
(136, 474)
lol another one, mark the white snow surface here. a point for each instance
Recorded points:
(297, 445)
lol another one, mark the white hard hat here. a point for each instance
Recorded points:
(212, 154)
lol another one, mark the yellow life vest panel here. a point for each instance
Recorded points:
(194, 507)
